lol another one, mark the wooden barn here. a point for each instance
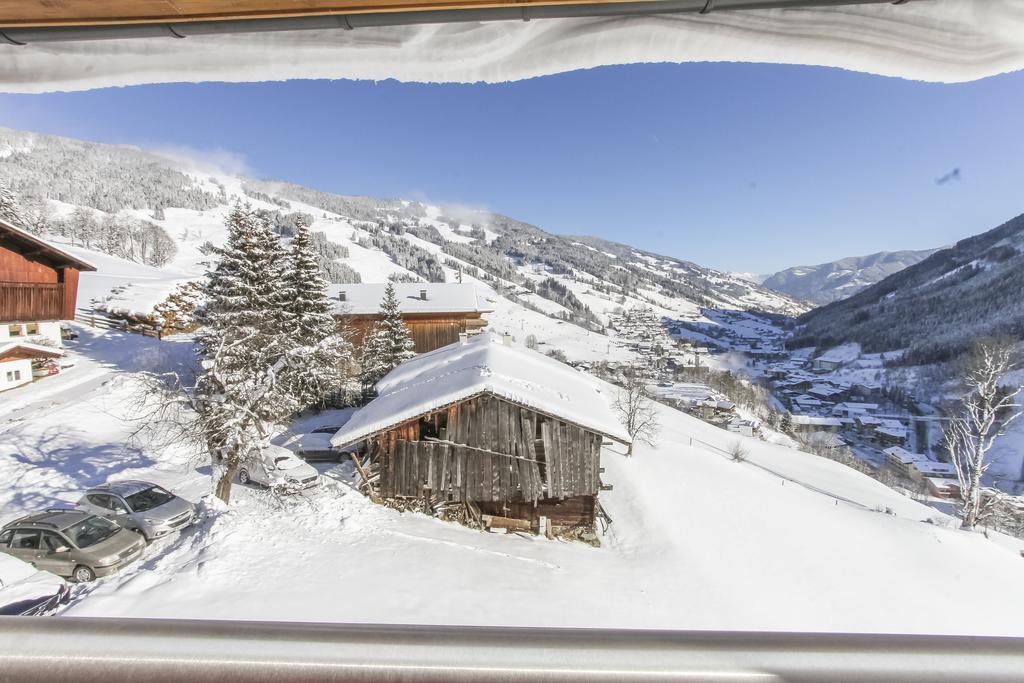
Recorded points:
(436, 313)
(506, 434)
(38, 286)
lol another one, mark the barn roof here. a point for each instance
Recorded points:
(30, 246)
(30, 349)
(484, 364)
(445, 297)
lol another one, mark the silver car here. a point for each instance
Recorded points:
(71, 543)
(140, 506)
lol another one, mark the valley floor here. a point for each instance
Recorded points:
(781, 541)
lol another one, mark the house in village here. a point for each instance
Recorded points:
(435, 313)
(814, 423)
(939, 478)
(38, 289)
(507, 435)
(891, 433)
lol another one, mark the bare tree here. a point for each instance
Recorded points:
(638, 413)
(983, 416)
(737, 452)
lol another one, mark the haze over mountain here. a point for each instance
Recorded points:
(835, 280)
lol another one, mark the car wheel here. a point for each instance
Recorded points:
(243, 478)
(83, 574)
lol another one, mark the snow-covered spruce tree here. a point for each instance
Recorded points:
(9, 208)
(983, 416)
(320, 354)
(388, 344)
(240, 392)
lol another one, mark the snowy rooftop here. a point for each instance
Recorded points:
(484, 364)
(447, 297)
(903, 455)
(816, 421)
(33, 349)
(930, 468)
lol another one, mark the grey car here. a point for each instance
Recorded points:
(71, 543)
(140, 506)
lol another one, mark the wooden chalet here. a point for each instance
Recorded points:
(436, 313)
(507, 435)
(38, 285)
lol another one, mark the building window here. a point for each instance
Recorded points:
(14, 330)
(13, 375)
(32, 328)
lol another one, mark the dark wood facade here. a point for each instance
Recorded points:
(37, 280)
(506, 460)
(429, 330)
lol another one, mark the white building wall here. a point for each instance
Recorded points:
(46, 333)
(14, 373)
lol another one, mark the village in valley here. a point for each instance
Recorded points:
(421, 406)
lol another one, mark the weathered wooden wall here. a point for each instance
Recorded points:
(429, 331)
(491, 451)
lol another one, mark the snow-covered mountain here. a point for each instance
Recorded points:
(540, 281)
(828, 282)
(933, 309)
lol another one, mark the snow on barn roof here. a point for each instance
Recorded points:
(484, 364)
(445, 297)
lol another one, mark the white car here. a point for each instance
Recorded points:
(24, 590)
(315, 445)
(278, 468)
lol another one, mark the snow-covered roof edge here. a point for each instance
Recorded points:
(484, 364)
(7, 347)
(45, 245)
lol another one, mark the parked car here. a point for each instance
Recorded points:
(140, 506)
(278, 468)
(315, 445)
(27, 591)
(71, 543)
(45, 368)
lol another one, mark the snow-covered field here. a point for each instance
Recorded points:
(782, 541)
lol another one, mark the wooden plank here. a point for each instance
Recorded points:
(496, 522)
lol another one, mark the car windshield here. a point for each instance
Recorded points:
(91, 531)
(147, 500)
(286, 462)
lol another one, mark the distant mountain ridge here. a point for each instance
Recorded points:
(935, 308)
(581, 280)
(827, 282)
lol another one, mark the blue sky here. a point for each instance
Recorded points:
(736, 166)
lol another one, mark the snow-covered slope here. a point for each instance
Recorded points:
(827, 282)
(935, 308)
(547, 285)
(782, 541)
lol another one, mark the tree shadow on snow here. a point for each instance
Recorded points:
(50, 457)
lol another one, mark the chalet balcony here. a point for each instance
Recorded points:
(31, 301)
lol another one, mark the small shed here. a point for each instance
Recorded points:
(506, 435)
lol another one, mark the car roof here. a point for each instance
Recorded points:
(123, 488)
(51, 519)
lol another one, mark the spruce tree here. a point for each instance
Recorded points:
(389, 342)
(320, 354)
(241, 391)
(9, 209)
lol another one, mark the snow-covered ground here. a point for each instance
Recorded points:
(782, 541)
